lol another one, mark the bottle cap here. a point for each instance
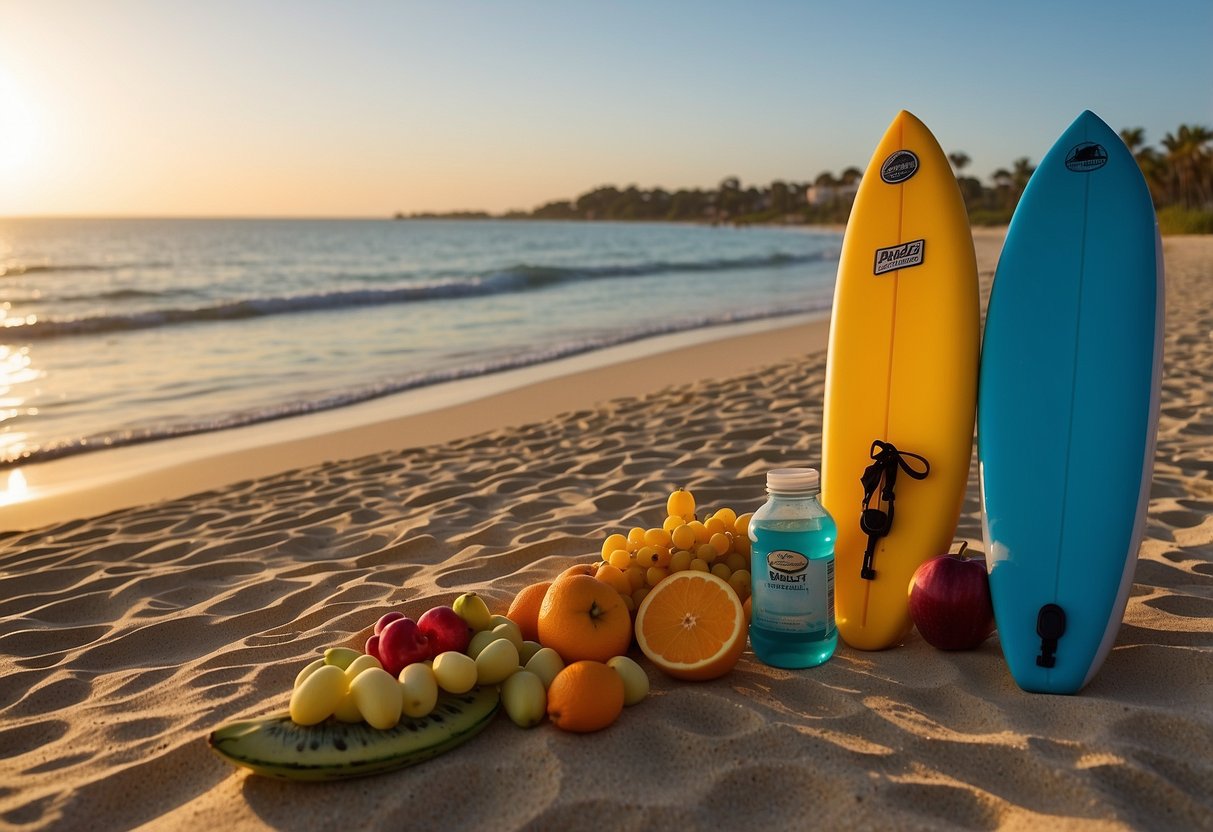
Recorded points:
(792, 480)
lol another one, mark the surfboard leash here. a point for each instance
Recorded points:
(874, 521)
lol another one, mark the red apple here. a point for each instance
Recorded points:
(445, 629)
(950, 602)
(401, 644)
(386, 619)
(372, 647)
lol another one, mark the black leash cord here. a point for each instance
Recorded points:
(877, 522)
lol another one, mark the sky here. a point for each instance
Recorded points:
(247, 108)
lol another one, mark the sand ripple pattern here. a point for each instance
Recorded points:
(125, 638)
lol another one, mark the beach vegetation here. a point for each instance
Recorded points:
(1179, 174)
(1176, 219)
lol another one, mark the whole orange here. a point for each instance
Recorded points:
(583, 618)
(585, 696)
(579, 569)
(524, 609)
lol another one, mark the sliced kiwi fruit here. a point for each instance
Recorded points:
(274, 746)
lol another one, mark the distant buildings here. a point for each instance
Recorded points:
(830, 193)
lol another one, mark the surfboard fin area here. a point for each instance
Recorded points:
(1070, 375)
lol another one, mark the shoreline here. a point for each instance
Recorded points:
(97, 482)
(93, 483)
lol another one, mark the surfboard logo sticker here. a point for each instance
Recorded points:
(899, 167)
(901, 256)
(1086, 157)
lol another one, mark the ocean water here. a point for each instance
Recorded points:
(121, 331)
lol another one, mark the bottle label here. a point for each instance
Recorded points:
(793, 593)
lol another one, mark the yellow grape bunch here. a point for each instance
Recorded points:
(635, 562)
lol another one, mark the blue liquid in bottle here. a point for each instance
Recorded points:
(792, 573)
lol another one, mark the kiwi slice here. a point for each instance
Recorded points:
(274, 746)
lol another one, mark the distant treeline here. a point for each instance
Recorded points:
(1179, 174)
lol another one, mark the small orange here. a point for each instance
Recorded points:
(746, 607)
(579, 569)
(583, 618)
(585, 696)
(692, 625)
(524, 610)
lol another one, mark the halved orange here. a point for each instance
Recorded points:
(692, 626)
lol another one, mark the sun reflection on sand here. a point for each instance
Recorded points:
(16, 489)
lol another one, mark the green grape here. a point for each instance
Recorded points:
(613, 542)
(655, 575)
(706, 552)
(620, 559)
(657, 538)
(680, 503)
(635, 576)
(740, 581)
(683, 537)
(646, 557)
(726, 516)
(721, 543)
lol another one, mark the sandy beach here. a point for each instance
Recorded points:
(125, 637)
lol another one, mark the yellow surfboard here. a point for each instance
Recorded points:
(902, 370)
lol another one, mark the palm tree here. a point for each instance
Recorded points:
(959, 160)
(1002, 188)
(780, 196)
(1189, 163)
(1134, 138)
(1148, 160)
(728, 198)
(1020, 174)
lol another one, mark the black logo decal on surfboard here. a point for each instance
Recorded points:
(899, 257)
(1086, 157)
(899, 167)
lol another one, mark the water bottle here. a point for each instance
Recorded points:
(792, 573)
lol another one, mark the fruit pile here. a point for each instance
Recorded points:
(455, 649)
(421, 687)
(634, 563)
(685, 585)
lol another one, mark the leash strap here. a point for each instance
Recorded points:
(876, 521)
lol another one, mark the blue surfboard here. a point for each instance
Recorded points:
(1068, 407)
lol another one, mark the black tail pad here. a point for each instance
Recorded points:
(1050, 626)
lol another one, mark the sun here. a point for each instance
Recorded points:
(18, 127)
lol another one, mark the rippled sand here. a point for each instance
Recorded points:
(125, 638)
